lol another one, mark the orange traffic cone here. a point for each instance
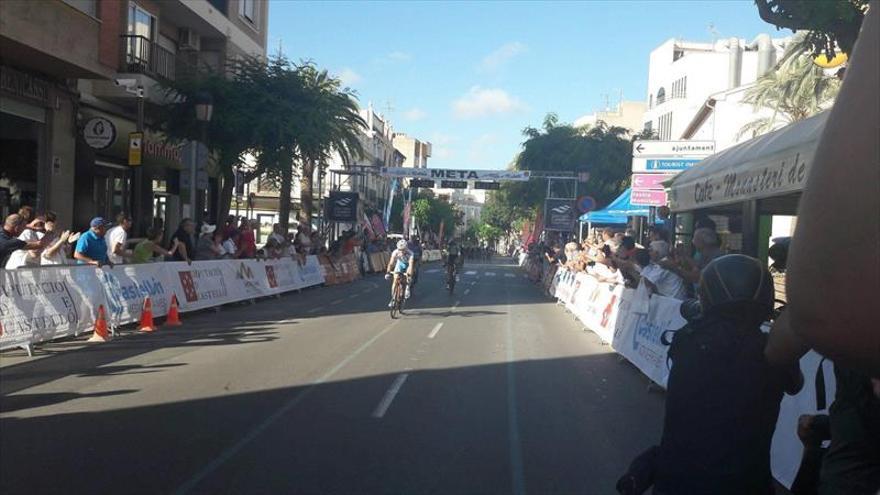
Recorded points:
(173, 319)
(101, 334)
(147, 316)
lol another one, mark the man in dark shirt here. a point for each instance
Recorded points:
(9, 241)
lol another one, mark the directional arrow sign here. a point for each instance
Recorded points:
(650, 181)
(695, 149)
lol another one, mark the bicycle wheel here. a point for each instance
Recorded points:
(395, 303)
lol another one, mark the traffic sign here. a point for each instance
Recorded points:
(421, 183)
(697, 149)
(648, 197)
(454, 184)
(135, 144)
(586, 204)
(650, 181)
(663, 164)
(487, 185)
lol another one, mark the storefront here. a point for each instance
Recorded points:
(751, 191)
(27, 155)
(105, 181)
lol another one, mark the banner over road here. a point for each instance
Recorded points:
(455, 174)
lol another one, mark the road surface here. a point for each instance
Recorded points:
(493, 389)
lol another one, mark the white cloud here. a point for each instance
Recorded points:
(500, 56)
(414, 114)
(349, 77)
(481, 146)
(399, 56)
(440, 148)
(482, 102)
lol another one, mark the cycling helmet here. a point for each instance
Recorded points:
(736, 281)
(401, 244)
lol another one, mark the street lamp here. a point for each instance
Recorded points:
(204, 106)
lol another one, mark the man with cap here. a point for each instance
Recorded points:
(91, 248)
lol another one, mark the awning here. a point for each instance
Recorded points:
(617, 211)
(774, 164)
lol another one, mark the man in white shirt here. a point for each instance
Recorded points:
(661, 280)
(117, 239)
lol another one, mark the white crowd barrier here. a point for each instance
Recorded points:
(431, 255)
(48, 303)
(632, 321)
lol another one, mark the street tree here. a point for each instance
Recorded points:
(794, 91)
(831, 25)
(330, 124)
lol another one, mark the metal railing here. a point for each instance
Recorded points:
(143, 56)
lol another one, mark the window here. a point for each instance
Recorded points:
(649, 127)
(248, 10)
(141, 31)
(665, 126)
(661, 96)
(679, 88)
(650, 101)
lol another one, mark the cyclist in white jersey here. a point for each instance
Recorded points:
(401, 262)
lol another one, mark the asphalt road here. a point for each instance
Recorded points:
(493, 389)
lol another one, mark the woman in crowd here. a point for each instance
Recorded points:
(247, 241)
(231, 248)
(210, 243)
(58, 251)
(150, 248)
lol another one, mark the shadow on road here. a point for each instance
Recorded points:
(578, 421)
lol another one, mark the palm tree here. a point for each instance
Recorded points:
(794, 91)
(331, 124)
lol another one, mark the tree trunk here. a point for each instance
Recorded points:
(224, 199)
(284, 193)
(306, 191)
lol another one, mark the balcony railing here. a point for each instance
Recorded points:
(141, 55)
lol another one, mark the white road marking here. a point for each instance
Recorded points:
(352, 296)
(386, 401)
(315, 309)
(509, 275)
(467, 291)
(433, 270)
(470, 272)
(489, 274)
(456, 304)
(234, 449)
(336, 302)
(435, 330)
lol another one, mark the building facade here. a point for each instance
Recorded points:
(627, 114)
(415, 152)
(71, 99)
(682, 75)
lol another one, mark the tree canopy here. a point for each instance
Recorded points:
(830, 23)
(604, 152)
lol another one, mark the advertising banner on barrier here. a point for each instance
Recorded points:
(47, 303)
(39, 305)
(596, 305)
(637, 334)
(126, 286)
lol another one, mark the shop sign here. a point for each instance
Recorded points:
(99, 133)
(24, 85)
(560, 215)
(342, 206)
(135, 145)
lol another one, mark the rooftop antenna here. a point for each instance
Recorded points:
(714, 32)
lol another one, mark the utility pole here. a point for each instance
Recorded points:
(139, 185)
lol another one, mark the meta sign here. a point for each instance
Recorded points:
(655, 162)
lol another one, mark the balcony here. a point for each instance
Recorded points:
(140, 55)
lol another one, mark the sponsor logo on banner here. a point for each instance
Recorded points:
(203, 284)
(125, 298)
(560, 215)
(246, 275)
(270, 275)
(31, 307)
(439, 173)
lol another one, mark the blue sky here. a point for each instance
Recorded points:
(469, 76)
